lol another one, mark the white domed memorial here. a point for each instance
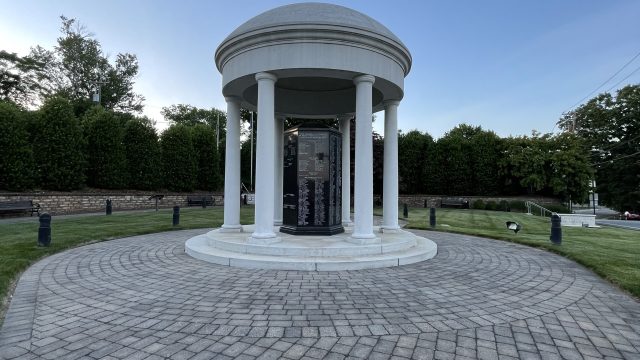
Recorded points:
(312, 61)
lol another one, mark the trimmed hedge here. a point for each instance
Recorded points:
(17, 167)
(144, 161)
(204, 144)
(178, 160)
(107, 160)
(478, 204)
(491, 205)
(60, 146)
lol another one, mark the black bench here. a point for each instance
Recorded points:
(458, 203)
(200, 200)
(20, 206)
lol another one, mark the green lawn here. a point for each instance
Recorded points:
(18, 241)
(612, 253)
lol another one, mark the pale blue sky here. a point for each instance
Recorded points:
(509, 66)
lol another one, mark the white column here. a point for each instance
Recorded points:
(265, 161)
(232, 168)
(279, 150)
(390, 176)
(345, 128)
(363, 186)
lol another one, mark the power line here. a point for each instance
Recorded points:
(606, 81)
(615, 145)
(625, 78)
(616, 159)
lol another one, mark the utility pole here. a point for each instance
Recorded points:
(98, 91)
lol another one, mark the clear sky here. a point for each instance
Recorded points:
(510, 66)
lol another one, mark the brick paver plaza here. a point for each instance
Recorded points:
(143, 298)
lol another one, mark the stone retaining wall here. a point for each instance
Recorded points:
(69, 203)
(435, 200)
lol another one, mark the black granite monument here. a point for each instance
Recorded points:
(312, 181)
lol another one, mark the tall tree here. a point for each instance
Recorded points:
(191, 115)
(610, 128)
(77, 67)
(525, 161)
(21, 79)
(569, 169)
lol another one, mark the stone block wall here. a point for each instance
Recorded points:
(435, 200)
(69, 203)
(57, 203)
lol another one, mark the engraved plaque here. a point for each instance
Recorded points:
(312, 181)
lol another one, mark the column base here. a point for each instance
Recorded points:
(257, 240)
(277, 222)
(347, 223)
(368, 240)
(231, 228)
(389, 229)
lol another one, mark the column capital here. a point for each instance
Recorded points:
(364, 78)
(388, 103)
(232, 99)
(266, 76)
(344, 117)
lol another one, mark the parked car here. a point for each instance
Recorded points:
(630, 216)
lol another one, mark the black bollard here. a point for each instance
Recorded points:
(425, 203)
(176, 215)
(405, 211)
(109, 207)
(556, 229)
(44, 232)
(432, 217)
(204, 202)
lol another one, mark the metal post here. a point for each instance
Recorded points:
(251, 161)
(432, 217)
(204, 202)
(217, 131)
(109, 207)
(556, 229)
(44, 232)
(176, 215)
(156, 203)
(405, 211)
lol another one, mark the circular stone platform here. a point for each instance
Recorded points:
(312, 253)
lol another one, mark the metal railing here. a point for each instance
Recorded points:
(537, 208)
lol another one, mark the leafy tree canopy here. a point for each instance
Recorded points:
(77, 67)
(610, 128)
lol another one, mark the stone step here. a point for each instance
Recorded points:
(200, 247)
(309, 246)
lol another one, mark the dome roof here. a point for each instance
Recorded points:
(314, 14)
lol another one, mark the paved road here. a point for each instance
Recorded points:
(626, 224)
(143, 298)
